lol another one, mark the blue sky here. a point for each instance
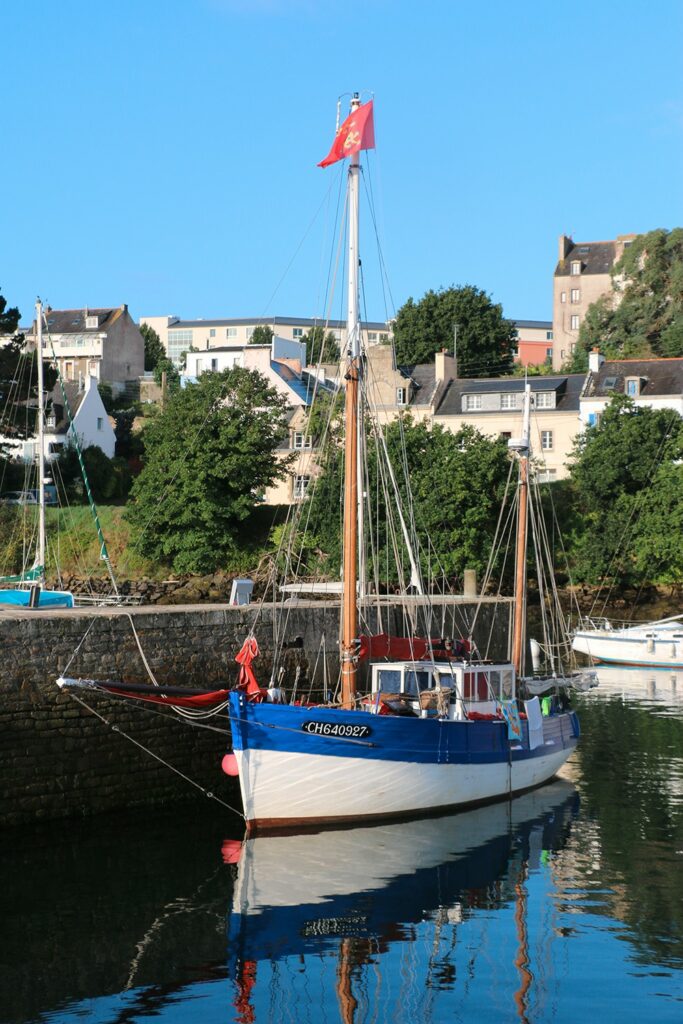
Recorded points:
(163, 152)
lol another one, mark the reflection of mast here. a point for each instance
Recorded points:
(348, 1004)
(349, 631)
(522, 958)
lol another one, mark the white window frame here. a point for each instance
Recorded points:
(401, 396)
(300, 486)
(297, 332)
(575, 268)
(575, 295)
(547, 440)
(301, 440)
(544, 399)
(230, 332)
(508, 400)
(574, 322)
(472, 403)
(632, 387)
(92, 323)
(563, 296)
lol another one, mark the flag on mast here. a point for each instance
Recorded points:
(356, 133)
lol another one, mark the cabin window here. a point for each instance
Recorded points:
(389, 680)
(416, 681)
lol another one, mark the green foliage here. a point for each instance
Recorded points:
(18, 381)
(456, 483)
(172, 374)
(263, 335)
(208, 456)
(485, 338)
(647, 322)
(128, 441)
(321, 347)
(109, 479)
(623, 474)
(107, 395)
(154, 350)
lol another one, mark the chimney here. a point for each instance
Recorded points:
(444, 366)
(595, 360)
(566, 244)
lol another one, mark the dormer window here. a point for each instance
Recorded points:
(91, 323)
(575, 267)
(508, 401)
(632, 386)
(51, 421)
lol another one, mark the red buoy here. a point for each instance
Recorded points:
(229, 765)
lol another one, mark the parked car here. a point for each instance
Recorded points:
(19, 498)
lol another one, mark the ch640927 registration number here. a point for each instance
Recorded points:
(341, 729)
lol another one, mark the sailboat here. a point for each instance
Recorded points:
(30, 591)
(434, 731)
(436, 728)
(656, 644)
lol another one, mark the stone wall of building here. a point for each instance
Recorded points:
(62, 760)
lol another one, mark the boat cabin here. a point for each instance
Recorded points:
(455, 690)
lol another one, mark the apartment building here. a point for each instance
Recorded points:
(179, 336)
(102, 343)
(534, 342)
(582, 275)
(657, 383)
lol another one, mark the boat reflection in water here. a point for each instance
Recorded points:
(659, 688)
(365, 922)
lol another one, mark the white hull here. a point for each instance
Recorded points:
(294, 787)
(653, 646)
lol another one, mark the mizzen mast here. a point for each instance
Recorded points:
(522, 447)
(349, 632)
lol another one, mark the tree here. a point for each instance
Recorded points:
(456, 483)
(209, 455)
(321, 347)
(18, 381)
(621, 467)
(172, 374)
(263, 335)
(154, 350)
(643, 318)
(108, 479)
(485, 339)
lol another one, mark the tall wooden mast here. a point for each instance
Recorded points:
(521, 446)
(349, 631)
(41, 442)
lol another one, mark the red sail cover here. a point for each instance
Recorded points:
(356, 133)
(414, 648)
(199, 700)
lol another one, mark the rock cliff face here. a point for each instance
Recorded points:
(61, 760)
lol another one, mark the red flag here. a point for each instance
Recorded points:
(357, 132)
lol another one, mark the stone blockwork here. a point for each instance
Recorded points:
(61, 760)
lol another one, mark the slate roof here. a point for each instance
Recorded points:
(542, 325)
(74, 397)
(595, 257)
(657, 376)
(568, 390)
(424, 379)
(72, 321)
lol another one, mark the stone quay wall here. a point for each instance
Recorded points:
(60, 760)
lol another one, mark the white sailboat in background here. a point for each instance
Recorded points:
(652, 644)
(30, 590)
